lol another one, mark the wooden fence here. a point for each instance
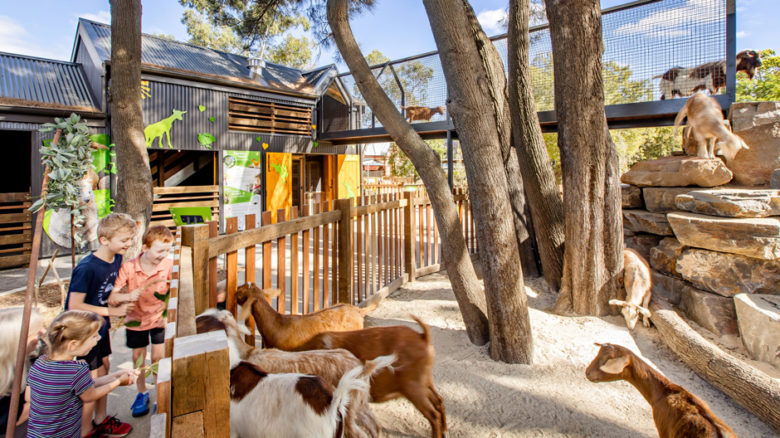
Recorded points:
(15, 229)
(183, 196)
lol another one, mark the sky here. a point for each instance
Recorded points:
(397, 28)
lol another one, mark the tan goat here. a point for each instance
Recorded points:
(287, 332)
(637, 281)
(421, 112)
(676, 412)
(705, 120)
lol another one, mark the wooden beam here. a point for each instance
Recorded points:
(185, 189)
(345, 251)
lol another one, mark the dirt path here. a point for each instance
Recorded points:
(552, 397)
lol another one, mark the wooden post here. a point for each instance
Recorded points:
(164, 391)
(231, 268)
(409, 238)
(212, 280)
(345, 258)
(196, 237)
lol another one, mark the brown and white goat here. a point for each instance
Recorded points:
(676, 412)
(421, 112)
(359, 421)
(637, 281)
(287, 332)
(709, 76)
(706, 123)
(293, 405)
(411, 375)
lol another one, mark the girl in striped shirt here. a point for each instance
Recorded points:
(59, 385)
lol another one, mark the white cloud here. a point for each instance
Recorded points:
(742, 34)
(493, 21)
(100, 17)
(14, 38)
(672, 22)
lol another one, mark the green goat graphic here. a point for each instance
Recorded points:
(281, 169)
(163, 127)
(350, 192)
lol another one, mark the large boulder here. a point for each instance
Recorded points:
(642, 243)
(758, 123)
(663, 257)
(678, 171)
(641, 221)
(758, 317)
(631, 196)
(666, 287)
(729, 274)
(753, 237)
(713, 312)
(662, 199)
(731, 203)
(774, 180)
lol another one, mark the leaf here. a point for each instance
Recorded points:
(133, 324)
(140, 361)
(161, 297)
(201, 108)
(206, 139)
(165, 313)
(211, 119)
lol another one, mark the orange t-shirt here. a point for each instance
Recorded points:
(148, 309)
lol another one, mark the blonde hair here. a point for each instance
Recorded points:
(10, 322)
(72, 325)
(114, 223)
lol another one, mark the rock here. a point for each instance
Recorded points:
(678, 171)
(664, 256)
(729, 274)
(666, 287)
(631, 196)
(642, 243)
(752, 237)
(661, 199)
(731, 203)
(774, 180)
(758, 317)
(758, 123)
(646, 222)
(713, 312)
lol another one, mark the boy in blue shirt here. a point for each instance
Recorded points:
(90, 285)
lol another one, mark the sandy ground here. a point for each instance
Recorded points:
(552, 397)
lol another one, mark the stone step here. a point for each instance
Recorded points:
(729, 274)
(730, 203)
(752, 237)
(678, 171)
(758, 317)
(641, 221)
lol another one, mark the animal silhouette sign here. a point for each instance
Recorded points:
(162, 128)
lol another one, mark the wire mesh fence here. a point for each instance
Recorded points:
(642, 41)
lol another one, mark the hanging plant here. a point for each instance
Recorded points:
(68, 162)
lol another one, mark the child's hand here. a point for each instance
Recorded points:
(127, 377)
(120, 310)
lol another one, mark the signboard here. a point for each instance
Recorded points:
(242, 185)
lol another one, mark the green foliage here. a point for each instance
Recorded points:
(206, 139)
(292, 52)
(765, 85)
(68, 162)
(133, 324)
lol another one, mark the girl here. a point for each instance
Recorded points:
(59, 385)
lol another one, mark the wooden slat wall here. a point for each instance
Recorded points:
(15, 229)
(183, 196)
(268, 117)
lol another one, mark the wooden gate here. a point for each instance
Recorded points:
(15, 229)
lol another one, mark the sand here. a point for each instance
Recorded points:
(551, 397)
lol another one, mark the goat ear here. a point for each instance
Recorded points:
(617, 302)
(615, 365)
(644, 311)
(271, 293)
(246, 309)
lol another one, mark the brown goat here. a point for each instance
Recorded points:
(287, 332)
(421, 112)
(676, 412)
(411, 375)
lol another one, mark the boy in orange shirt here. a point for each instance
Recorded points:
(146, 275)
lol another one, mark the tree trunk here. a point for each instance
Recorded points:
(593, 259)
(134, 178)
(476, 87)
(521, 213)
(464, 281)
(543, 197)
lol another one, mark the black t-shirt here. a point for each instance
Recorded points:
(96, 278)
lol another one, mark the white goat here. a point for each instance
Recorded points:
(636, 280)
(709, 129)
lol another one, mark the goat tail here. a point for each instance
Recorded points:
(370, 306)
(356, 379)
(426, 334)
(680, 116)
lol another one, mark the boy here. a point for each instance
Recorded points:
(145, 275)
(91, 283)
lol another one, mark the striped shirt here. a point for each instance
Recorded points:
(55, 406)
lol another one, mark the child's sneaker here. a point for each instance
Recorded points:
(113, 428)
(95, 433)
(140, 405)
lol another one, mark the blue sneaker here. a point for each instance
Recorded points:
(140, 405)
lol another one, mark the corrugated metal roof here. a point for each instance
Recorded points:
(176, 56)
(51, 83)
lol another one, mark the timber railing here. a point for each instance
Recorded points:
(15, 229)
(182, 196)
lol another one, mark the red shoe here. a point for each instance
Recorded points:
(113, 428)
(94, 434)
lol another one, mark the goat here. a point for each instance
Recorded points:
(709, 76)
(676, 412)
(287, 332)
(705, 120)
(421, 112)
(330, 365)
(293, 405)
(412, 375)
(636, 280)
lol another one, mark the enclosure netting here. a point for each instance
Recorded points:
(641, 42)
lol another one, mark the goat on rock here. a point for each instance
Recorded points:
(676, 412)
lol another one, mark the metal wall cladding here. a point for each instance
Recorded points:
(92, 73)
(166, 97)
(43, 80)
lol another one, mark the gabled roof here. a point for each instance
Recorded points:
(176, 57)
(26, 81)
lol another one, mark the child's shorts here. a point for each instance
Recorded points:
(95, 356)
(140, 338)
